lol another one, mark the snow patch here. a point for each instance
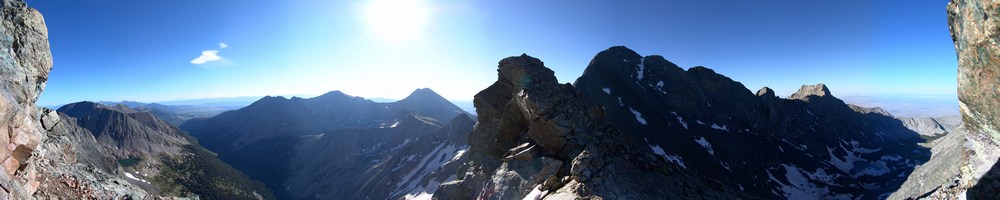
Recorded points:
(607, 90)
(681, 120)
(638, 116)
(421, 196)
(853, 164)
(394, 124)
(657, 150)
(536, 194)
(620, 103)
(799, 187)
(129, 175)
(675, 159)
(704, 143)
(721, 128)
(430, 163)
(642, 68)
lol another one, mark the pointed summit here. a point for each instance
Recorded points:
(811, 90)
(424, 93)
(426, 102)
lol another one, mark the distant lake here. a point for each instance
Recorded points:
(909, 105)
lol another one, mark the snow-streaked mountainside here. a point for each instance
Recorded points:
(337, 145)
(810, 145)
(725, 139)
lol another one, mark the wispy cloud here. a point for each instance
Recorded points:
(211, 55)
(206, 57)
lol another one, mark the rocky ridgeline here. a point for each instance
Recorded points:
(536, 137)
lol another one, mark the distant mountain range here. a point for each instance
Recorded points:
(631, 127)
(337, 145)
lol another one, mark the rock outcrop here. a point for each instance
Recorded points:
(963, 164)
(975, 29)
(538, 138)
(25, 62)
(43, 155)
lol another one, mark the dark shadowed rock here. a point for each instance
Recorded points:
(337, 145)
(538, 136)
(706, 123)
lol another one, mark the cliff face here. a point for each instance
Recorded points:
(25, 62)
(975, 29)
(963, 161)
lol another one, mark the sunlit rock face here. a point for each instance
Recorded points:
(963, 162)
(25, 62)
(975, 29)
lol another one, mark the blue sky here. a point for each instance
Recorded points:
(143, 50)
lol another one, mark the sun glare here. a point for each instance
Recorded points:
(396, 20)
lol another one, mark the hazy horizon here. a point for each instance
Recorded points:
(236, 48)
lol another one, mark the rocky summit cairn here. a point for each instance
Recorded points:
(975, 29)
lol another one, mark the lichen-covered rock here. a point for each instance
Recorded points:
(963, 164)
(975, 29)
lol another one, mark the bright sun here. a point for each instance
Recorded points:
(396, 20)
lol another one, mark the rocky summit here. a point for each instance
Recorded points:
(538, 138)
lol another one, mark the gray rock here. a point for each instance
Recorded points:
(973, 25)
(811, 90)
(932, 126)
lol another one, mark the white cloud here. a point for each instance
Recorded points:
(207, 56)
(223, 45)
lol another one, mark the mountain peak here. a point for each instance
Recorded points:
(335, 93)
(426, 102)
(526, 71)
(765, 92)
(811, 90)
(423, 93)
